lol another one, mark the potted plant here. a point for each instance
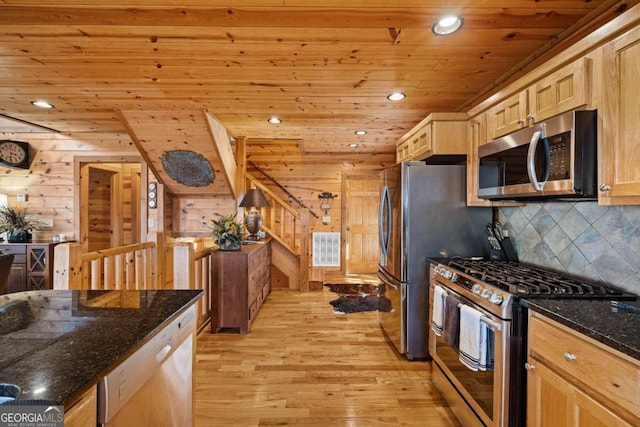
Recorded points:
(17, 223)
(228, 232)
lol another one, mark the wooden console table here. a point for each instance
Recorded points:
(241, 283)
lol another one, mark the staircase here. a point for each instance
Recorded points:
(289, 229)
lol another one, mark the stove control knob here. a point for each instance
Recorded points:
(447, 274)
(476, 289)
(454, 278)
(485, 293)
(496, 298)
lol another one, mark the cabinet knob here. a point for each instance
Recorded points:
(605, 187)
(529, 366)
(520, 121)
(530, 117)
(569, 357)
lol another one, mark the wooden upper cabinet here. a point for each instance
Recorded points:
(476, 136)
(563, 90)
(508, 115)
(619, 147)
(437, 134)
(402, 151)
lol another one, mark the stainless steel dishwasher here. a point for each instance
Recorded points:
(154, 386)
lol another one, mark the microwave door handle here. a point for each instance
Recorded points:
(531, 161)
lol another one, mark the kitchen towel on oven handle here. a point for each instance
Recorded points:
(476, 340)
(437, 314)
(451, 321)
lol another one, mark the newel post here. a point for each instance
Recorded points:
(67, 266)
(184, 271)
(304, 249)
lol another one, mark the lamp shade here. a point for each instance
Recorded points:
(254, 199)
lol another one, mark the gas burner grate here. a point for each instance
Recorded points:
(526, 280)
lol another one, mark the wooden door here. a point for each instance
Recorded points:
(360, 204)
(110, 206)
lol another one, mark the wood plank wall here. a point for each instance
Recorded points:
(307, 174)
(48, 183)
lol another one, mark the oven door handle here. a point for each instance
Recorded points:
(491, 324)
(495, 326)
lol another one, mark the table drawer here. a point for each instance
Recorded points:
(14, 249)
(613, 377)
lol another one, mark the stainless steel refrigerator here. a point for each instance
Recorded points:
(423, 213)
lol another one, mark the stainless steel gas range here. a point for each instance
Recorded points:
(491, 392)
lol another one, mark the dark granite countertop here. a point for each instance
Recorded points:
(596, 319)
(55, 345)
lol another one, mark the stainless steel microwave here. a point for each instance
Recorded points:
(556, 158)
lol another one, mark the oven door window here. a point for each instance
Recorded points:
(478, 384)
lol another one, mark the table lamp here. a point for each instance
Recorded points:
(254, 199)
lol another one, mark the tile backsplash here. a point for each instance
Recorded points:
(601, 243)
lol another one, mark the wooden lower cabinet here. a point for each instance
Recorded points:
(85, 412)
(575, 381)
(241, 283)
(553, 401)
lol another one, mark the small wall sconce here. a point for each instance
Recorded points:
(326, 199)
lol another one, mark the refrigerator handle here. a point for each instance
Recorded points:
(385, 206)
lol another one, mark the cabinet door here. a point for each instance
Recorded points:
(421, 142)
(552, 401)
(17, 279)
(620, 143)
(85, 412)
(507, 116)
(402, 151)
(563, 90)
(477, 135)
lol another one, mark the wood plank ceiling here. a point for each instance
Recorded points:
(325, 68)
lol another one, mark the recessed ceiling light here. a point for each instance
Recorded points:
(396, 96)
(353, 145)
(42, 104)
(447, 25)
(274, 120)
(360, 132)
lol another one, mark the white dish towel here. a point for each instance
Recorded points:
(474, 343)
(437, 316)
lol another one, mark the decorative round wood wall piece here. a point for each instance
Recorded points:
(188, 168)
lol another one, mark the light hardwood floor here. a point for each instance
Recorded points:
(302, 365)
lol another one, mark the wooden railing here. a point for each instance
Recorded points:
(193, 269)
(287, 226)
(132, 267)
(123, 268)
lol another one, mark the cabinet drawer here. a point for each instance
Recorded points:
(14, 249)
(612, 377)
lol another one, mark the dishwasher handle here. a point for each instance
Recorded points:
(164, 352)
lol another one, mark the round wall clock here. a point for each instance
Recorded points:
(14, 154)
(188, 168)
